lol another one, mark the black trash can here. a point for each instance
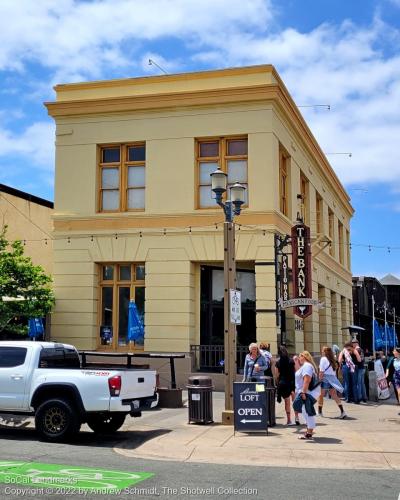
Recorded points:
(200, 399)
(270, 391)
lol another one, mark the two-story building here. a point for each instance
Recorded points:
(135, 219)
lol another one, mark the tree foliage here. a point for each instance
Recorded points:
(25, 289)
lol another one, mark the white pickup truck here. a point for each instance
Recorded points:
(46, 380)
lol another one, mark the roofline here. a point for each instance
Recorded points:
(117, 82)
(26, 196)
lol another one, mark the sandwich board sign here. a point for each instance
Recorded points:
(250, 407)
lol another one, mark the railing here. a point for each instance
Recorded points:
(210, 358)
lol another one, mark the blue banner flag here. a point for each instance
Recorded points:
(135, 325)
(36, 328)
(378, 336)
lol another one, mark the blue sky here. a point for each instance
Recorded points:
(338, 52)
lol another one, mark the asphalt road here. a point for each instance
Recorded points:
(190, 480)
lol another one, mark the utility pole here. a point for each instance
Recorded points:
(373, 324)
(386, 336)
(230, 367)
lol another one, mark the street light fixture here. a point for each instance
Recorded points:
(231, 208)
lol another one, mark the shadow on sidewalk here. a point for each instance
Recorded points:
(327, 440)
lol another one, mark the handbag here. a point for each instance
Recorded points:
(314, 383)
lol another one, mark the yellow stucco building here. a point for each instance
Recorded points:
(134, 217)
(28, 218)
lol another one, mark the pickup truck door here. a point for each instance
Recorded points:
(14, 374)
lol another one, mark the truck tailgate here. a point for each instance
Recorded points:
(137, 383)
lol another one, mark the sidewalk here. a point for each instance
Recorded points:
(368, 439)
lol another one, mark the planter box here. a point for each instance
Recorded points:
(169, 398)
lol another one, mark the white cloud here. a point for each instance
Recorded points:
(81, 38)
(35, 145)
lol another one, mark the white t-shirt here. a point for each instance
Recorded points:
(306, 369)
(325, 366)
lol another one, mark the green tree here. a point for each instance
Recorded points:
(25, 289)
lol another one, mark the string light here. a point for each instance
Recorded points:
(203, 228)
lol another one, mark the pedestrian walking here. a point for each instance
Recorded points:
(329, 380)
(254, 365)
(307, 391)
(349, 371)
(265, 349)
(284, 372)
(361, 390)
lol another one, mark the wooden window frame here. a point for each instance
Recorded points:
(341, 242)
(319, 214)
(304, 191)
(116, 283)
(221, 160)
(331, 231)
(123, 166)
(283, 183)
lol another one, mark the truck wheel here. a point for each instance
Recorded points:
(56, 420)
(104, 424)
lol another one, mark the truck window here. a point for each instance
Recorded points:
(59, 358)
(12, 356)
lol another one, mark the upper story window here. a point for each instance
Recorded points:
(304, 198)
(228, 154)
(347, 243)
(122, 177)
(283, 183)
(341, 243)
(319, 214)
(331, 231)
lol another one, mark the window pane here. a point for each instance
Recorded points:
(217, 285)
(237, 147)
(137, 153)
(108, 272)
(247, 283)
(136, 177)
(107, 305)
(110, 155)
(237, 171)
(139, 301)
(12, 356)
(205, 196)
(110, 200)
(135, 198)
(209, 149)
(110, 178)
(125, 273)
(246, 197)
(123, 306)
(140, 273)
(205, 170)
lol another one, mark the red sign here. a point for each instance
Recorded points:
(301, 255)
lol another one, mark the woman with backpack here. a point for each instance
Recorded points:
(329, 380)
(307, 390)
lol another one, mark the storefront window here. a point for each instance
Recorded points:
(119, 284)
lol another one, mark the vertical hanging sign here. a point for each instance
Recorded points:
(301, 255)
(285, 277)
